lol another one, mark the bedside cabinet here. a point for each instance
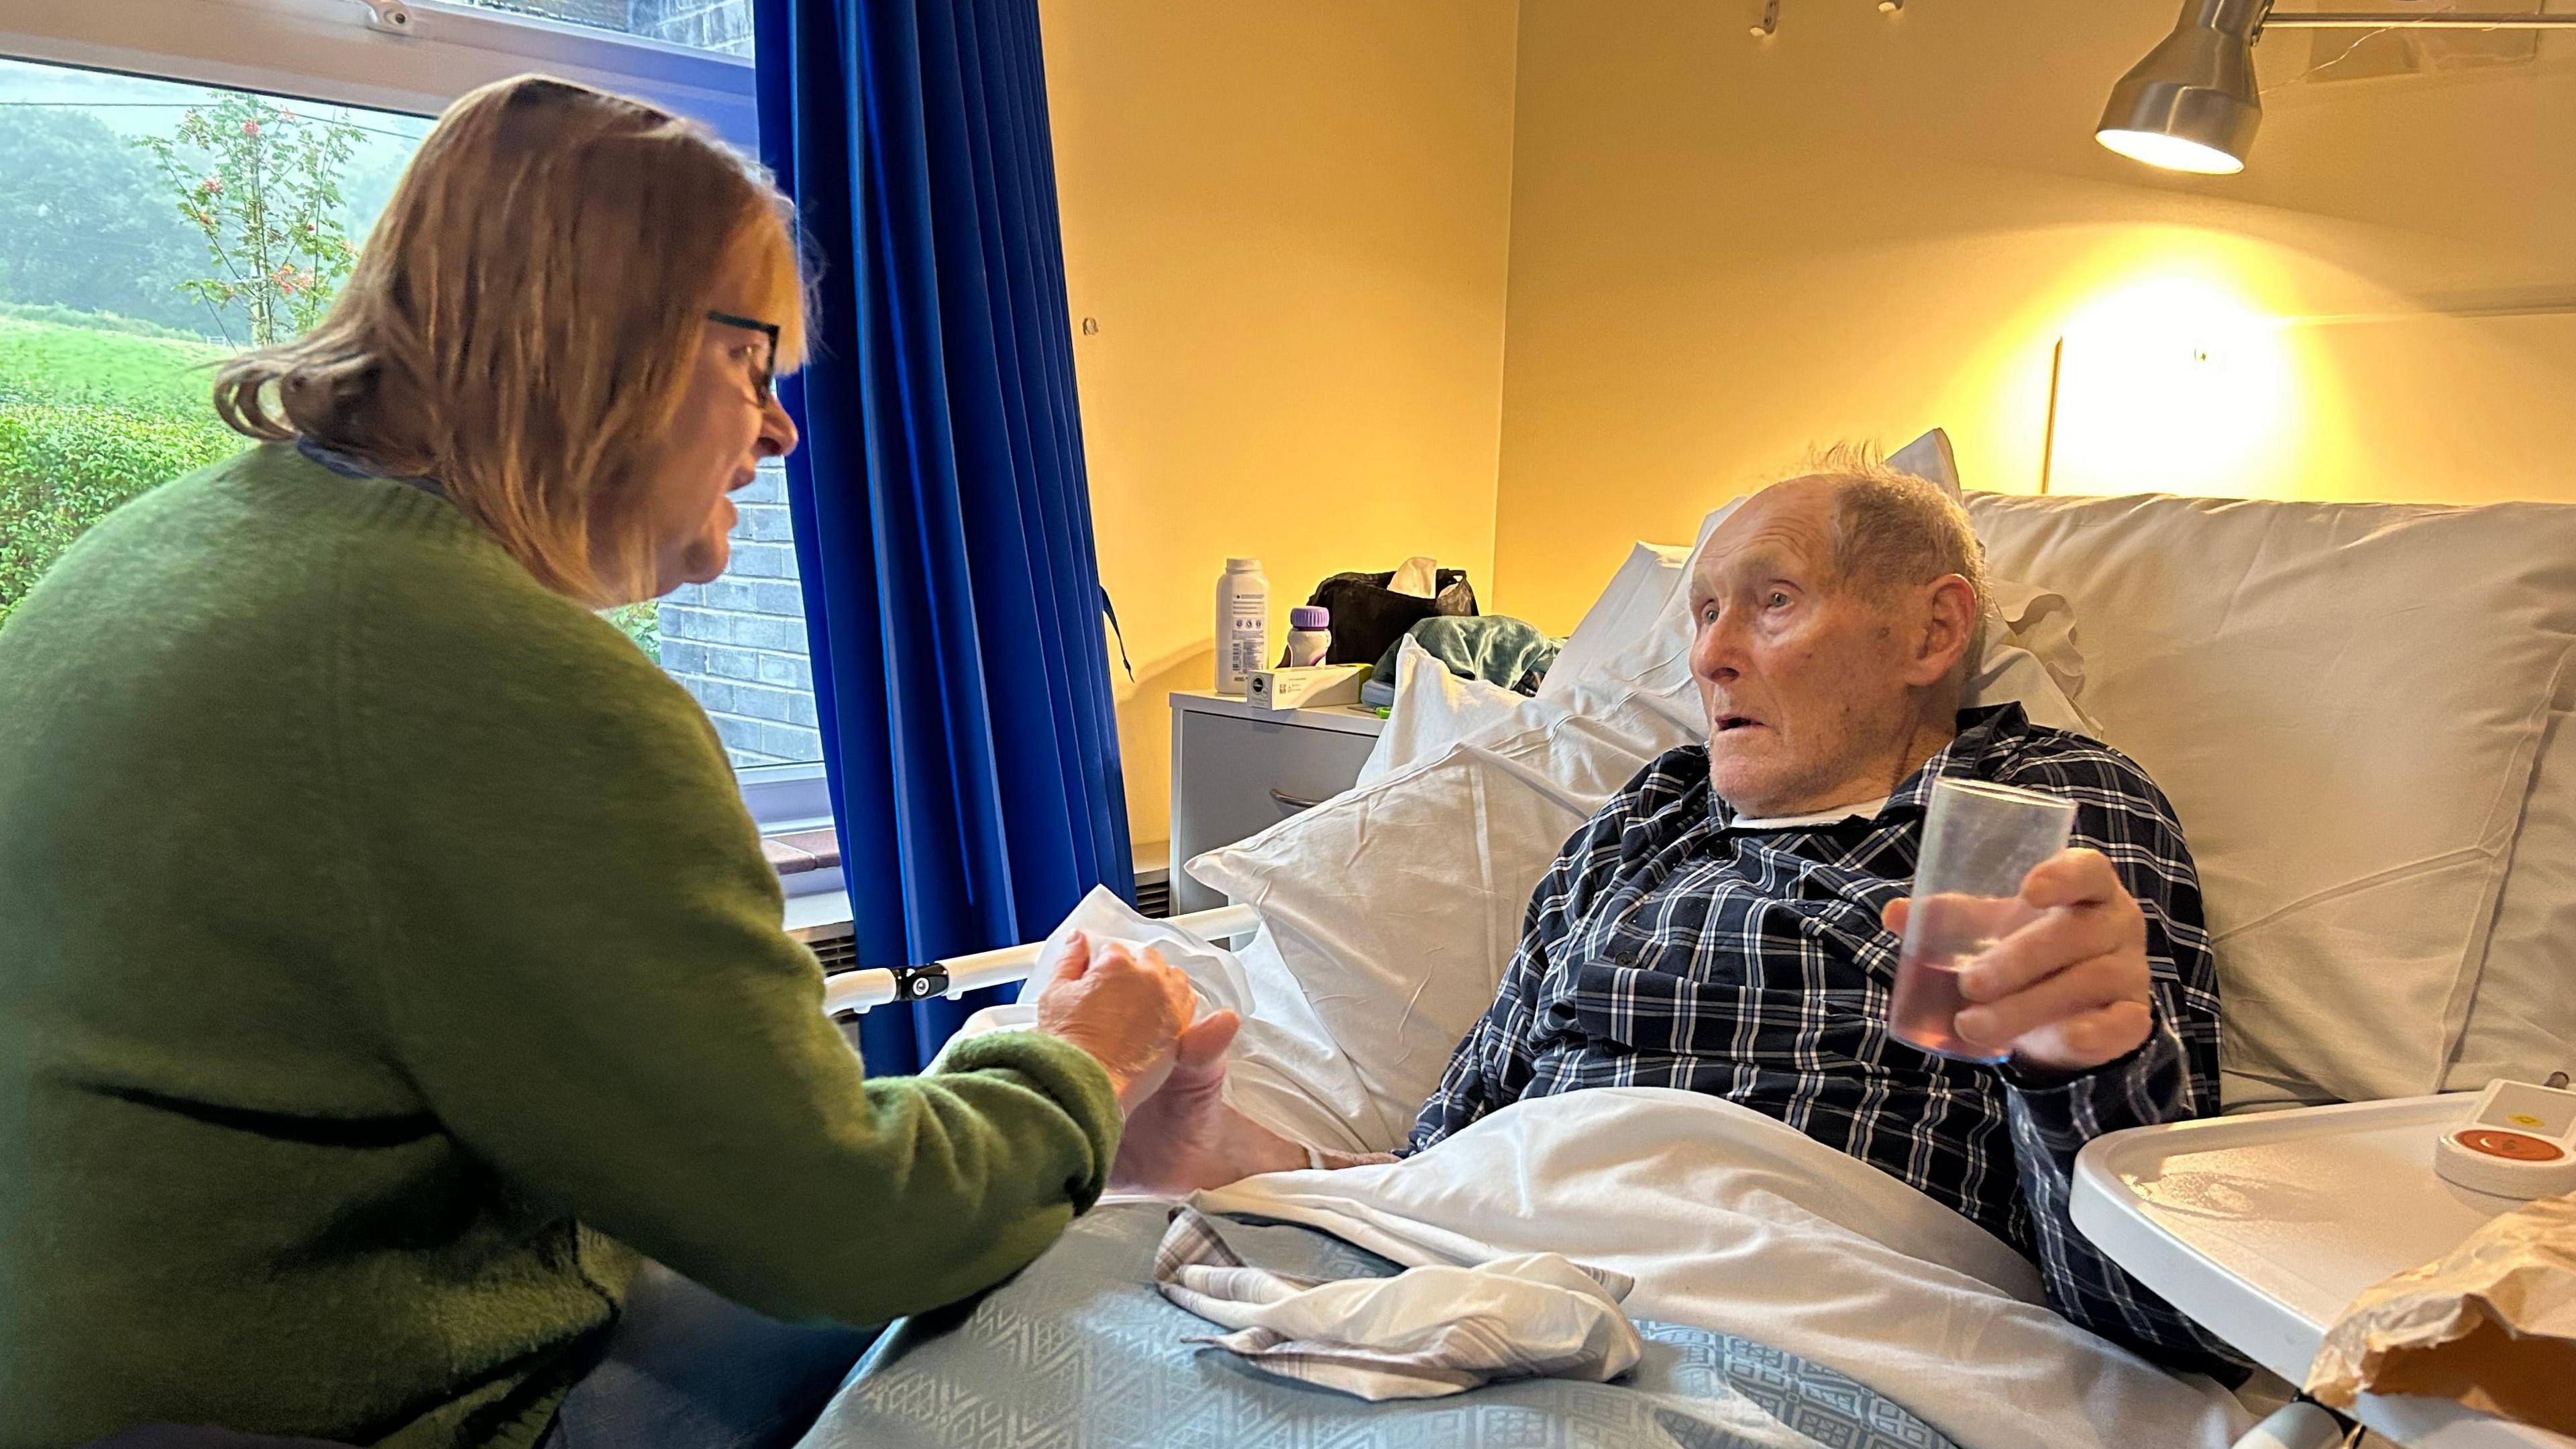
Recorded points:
(1238, 769)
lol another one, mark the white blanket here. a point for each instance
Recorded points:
(1732, 1221)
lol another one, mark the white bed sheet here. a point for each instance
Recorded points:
(1731, 1221)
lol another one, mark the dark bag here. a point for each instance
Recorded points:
(1368, 617)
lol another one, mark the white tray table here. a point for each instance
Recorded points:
(2263, 1227)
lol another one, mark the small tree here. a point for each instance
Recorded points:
(262, 184)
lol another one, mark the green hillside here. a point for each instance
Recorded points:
(151, 374)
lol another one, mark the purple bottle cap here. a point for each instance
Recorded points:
(1308, 616)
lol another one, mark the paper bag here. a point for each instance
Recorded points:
(2491, 1326)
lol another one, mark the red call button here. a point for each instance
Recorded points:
(2512, 1146)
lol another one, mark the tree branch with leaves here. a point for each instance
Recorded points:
(261, 183)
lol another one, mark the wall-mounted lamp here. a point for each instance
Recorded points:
(2192, 105)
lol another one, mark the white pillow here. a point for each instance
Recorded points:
(2522, 1016)
(1628, 607)
(1396, 906)
(1433, 709)
(2344, 702)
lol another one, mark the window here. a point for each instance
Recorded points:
(717, 25)
(157, 221)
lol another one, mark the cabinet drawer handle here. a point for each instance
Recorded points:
(1292, 802)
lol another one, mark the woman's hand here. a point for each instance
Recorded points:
(1128, 1011)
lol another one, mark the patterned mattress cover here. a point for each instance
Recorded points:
(1080, 1352)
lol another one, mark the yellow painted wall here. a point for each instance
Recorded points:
(1290, 224)
(1724, 251)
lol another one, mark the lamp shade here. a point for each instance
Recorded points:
(2191, 105)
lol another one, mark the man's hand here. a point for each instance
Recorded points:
(1185, 1137)
(1128, 1011)
(2068, 991)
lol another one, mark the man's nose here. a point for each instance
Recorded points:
(1716, 654)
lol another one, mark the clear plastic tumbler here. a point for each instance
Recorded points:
(1979, 840)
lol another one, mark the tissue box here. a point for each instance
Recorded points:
(1304, 688)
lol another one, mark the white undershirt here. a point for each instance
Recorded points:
(1866, 809)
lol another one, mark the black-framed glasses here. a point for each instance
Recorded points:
(768, 369)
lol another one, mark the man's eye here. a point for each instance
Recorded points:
(1777, 600)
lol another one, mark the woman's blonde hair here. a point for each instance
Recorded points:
(523, 321)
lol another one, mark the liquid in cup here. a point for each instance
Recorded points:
(1979, 840)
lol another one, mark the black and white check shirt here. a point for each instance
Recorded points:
(1667, 948)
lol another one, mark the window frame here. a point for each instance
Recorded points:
(334, 52)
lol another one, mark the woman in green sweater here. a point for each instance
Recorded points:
(386, 956)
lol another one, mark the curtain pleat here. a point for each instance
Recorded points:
(943, 521)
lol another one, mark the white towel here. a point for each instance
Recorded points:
(1425, 1332)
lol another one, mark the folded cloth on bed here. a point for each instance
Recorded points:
(1427, 1332)
(1730, 1220)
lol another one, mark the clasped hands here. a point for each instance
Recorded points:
(1132, 1011)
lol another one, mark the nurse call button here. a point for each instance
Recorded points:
(2511, 1146)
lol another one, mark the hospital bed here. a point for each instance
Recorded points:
(2360, 712)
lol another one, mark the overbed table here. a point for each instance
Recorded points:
(2263, 1227)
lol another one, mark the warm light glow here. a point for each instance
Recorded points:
(2176, 382)
(2171, 153)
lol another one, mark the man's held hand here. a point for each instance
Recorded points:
(2068, 991)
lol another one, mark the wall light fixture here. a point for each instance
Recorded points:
(2192, 104)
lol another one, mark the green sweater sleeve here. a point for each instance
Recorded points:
(581, 967)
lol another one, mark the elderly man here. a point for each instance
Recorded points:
(1728, 923)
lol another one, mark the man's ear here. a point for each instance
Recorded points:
(1949, 628)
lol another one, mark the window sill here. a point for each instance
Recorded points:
(795, 852)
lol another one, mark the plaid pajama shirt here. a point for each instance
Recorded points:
(1666, 948)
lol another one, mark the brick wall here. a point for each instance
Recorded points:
(723, 25)
(738, 644)
(605, 14)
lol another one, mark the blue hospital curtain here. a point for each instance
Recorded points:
(943, 524)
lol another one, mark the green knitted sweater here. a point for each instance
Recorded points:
(382, 944)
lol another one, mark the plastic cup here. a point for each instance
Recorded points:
(1979, 841)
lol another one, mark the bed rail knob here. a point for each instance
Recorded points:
(920, 983)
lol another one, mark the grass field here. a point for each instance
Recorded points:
(150, 374)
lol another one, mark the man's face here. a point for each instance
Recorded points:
(1804, 680)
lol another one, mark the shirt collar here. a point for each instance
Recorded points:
(1983, 732)
(350, 465)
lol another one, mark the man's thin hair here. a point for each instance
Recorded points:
(1893, 529)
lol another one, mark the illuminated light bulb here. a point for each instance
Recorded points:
(2192, 104)
(2171, 153)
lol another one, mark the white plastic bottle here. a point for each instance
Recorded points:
(1242, 624)
(1310, 635)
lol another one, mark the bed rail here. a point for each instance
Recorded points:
(856, 991)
